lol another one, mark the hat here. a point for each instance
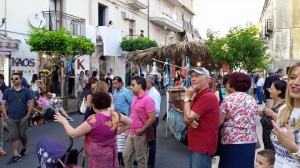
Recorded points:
(119, 79)
(151, 79)
(199, 70)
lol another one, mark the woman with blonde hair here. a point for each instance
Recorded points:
(100, 86)
(285, 135)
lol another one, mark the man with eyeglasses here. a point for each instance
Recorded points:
(201, 113)
(17, 105)
(122, 96)
(143, 117)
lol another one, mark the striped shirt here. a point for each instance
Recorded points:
(121, 142)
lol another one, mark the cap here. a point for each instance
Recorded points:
(199, 70)
(151, 79)
(119, 79)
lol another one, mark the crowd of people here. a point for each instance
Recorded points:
(119, 124)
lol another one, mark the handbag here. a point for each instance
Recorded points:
(150, 136)
(184, 136)
(83, 106)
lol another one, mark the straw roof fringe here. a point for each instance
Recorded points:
(178, 51)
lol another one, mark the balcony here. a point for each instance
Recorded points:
(187, 26)
(56, 20)
(164, 19)
(176, 2)
(136, 4)
(110, 39)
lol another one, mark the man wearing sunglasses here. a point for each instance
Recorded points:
(17, 106)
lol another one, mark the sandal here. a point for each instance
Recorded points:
(2, 153)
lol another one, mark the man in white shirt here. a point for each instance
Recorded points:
(154, 94)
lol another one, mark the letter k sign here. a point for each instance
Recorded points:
(79, 64)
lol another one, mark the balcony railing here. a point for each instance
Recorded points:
(165, 19)
(56, 20)
(188, 26)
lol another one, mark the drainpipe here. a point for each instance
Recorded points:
(148, 19)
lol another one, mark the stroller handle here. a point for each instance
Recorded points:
(71, 144)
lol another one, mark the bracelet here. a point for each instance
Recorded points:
(296, 155)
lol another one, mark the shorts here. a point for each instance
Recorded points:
(17, 129)
(50, 112)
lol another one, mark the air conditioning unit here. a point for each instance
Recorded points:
(126, 15)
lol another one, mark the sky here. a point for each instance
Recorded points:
(220, 15)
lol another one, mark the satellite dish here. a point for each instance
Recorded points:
(37, 20)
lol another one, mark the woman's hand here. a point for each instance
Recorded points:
(285, 137)
(261, 113)
(267, 111)
(59, 118)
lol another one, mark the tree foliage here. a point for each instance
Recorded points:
(137, 44)
(60, 42)
(241, 48)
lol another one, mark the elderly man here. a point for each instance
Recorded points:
(154, 94)
(143, 117)
(202, 113)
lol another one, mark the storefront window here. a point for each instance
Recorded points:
(4, 68)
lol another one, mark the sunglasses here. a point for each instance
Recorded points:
(14, 79)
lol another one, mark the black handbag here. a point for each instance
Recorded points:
(184, 136)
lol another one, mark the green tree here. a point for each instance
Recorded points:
(62, 44)
(240, 49)
(137, 44)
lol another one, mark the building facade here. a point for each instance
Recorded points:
(166, 21)
(280, 27)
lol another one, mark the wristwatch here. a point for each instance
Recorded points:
(296, 155)
(186, 100)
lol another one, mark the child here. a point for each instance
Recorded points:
(121, 143)
(265, 159)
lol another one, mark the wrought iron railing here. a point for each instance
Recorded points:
(188, 26)
(56, 20)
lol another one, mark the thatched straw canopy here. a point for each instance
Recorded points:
(178, 51)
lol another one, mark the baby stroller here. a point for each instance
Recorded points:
(52, 154)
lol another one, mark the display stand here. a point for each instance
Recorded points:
(175, 106)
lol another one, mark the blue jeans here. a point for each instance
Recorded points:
(259, 94)
(198, 160)
(152, 146)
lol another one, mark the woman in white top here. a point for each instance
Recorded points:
(259, 88)
(35, 85)
(285, 135)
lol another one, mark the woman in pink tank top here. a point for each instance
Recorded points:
(100, 132)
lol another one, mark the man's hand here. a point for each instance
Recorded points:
(189, 92)
(195, 123)
(139, 132)
(4, 116)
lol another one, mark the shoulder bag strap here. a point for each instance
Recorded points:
(138, 114)
(20, 100)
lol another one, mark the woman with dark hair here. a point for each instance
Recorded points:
(89, 88)
(35, 85)
(100, 132)
(277, 93)
(238, 116)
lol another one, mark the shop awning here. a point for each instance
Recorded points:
(7, 43)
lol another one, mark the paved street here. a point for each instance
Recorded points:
(170, 153)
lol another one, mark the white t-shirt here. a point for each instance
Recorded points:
(260, 81)
(282, 157)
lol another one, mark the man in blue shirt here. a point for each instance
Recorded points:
(122, 96)
(3, 86)
(17, 106)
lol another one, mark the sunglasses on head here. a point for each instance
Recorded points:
(14, 78)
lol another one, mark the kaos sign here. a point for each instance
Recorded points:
(23, 62)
